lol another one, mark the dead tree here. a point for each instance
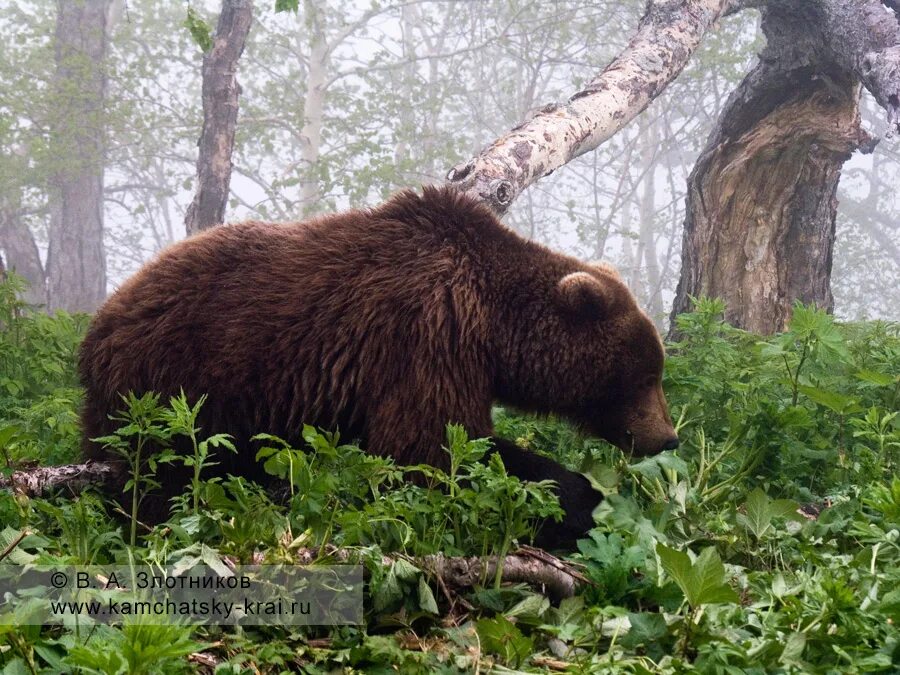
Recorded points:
(220, 110)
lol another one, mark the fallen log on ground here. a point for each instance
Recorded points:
(534, 566)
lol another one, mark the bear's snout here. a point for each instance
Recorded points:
(671, 444)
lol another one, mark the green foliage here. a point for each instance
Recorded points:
(808, 417)
(200, 31)
(181, 418)
(143, 429)
(760, 512)
(702, 581)
(502, 637)
(39, 392)
(287, 5)
(136, 649)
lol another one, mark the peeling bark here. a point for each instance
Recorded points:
(73, 478)
(761, 204)
(666, 38)
(557, 578)
(220, 109)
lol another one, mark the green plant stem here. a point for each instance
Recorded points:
(136, 475)
(687, 632)
(195, 497)
(795, 378)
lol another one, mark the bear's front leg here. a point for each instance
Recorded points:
(576, 496)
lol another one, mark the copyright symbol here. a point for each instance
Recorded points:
(59, 579)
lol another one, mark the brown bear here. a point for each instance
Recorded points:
(385, 324)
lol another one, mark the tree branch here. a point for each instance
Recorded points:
(667, 36)
(557, 578)
(74, 478)
(864, 39)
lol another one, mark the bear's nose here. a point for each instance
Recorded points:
(671, 444)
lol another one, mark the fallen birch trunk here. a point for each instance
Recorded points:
(72, 478)
(554, 577)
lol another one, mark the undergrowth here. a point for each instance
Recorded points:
(767, 543)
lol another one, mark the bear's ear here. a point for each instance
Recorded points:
(583, 295)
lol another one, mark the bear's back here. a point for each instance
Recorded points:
(281, 325)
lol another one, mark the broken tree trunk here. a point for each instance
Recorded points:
(557, 578)
(761, 206)
(220, 110)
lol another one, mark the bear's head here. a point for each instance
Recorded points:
(581, 347)
(619, 361)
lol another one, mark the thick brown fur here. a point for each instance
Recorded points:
(385, 324)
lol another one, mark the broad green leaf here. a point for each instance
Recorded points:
(830, 399)
(793, 648)
(532, 607)
(502, 637)
(388, 591)
(7, 433)
(211, 558)
(405, 570)
(426, 597)
(702, 581)
(760, 511)
(873, 377)
(645, 629)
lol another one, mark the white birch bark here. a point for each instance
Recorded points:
(667, 36)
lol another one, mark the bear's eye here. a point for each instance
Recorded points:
(649, 382)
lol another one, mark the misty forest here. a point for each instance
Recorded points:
(737, 162)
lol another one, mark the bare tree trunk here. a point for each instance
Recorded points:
(220, 110)
(22, 255)
(761, 208)
(313, 107)
(76, 262)
(647, 215)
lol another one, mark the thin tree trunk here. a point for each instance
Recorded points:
(22, 255)
(647, 215)
(313, 107)
(220, 110)
(76, 262)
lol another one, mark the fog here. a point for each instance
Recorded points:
(409, 90)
